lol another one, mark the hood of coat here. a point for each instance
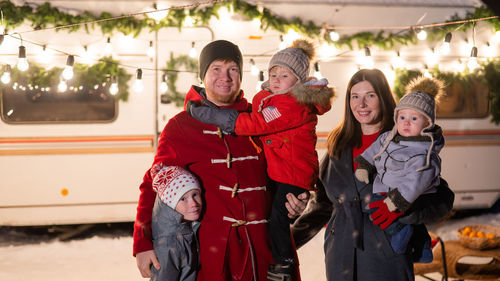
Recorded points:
(437, 134)
(174, 220)
(198, 94)
(319, 97)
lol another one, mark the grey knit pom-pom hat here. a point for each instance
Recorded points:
(422, 95)
(296, 58)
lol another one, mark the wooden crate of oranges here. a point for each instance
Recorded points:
(479, 237)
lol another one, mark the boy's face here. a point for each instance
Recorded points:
(280, 78)
(190, 205)
(410, 122)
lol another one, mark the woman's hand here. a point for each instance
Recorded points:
(296, 205)
(144, 260)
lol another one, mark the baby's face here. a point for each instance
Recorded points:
(410, 122)
(190, 205)
(280, 78)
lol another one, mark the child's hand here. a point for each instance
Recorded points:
(144, 261)
(362, 175)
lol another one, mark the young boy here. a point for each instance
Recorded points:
(284, 115)
(407, 164)
(175, 223)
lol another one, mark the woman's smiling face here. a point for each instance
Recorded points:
(365, 106)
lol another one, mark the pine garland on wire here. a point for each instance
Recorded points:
(172, 74)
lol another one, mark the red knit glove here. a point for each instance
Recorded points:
(382, 216)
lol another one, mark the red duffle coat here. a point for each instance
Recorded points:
(227, 251)
(286, 123)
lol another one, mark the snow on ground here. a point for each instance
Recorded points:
(105, 257)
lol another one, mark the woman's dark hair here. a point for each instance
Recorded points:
(348, 133)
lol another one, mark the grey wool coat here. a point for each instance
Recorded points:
(175, 245)
(355, 249)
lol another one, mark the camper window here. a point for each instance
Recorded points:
(24, 105)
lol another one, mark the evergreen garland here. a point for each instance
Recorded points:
(45, 16)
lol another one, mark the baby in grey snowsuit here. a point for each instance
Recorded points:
(406, 164)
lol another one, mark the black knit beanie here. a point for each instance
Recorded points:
(220, 49)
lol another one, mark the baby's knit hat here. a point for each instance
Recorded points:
(296, 58)
(172, 182)
(422, 95)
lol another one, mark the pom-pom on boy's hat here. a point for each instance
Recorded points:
(219, 49)
(172, 182)
(296, 58)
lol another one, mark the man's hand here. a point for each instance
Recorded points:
(144, 260)
(296, 205)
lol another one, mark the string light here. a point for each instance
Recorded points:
(317, 73)
(282, 43)
(151, 50)
(260, 82)
(254, 70)
(421, 34)
(138, 85)
(86, 57)
(397, 61)
(22, 63)
(334, 35)
(445, 47)
(113, 88)
(6, 74)
(163, 84)
(472, 62)
(367, 60)
(108, 48)
(193, 53)
(44, 56)
(67, 73)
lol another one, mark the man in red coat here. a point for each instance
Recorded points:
(234, 238)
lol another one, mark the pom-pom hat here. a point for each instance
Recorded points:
(296, 58)
(172, 182)
(422, 95)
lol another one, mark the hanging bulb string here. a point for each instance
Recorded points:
(187, 6)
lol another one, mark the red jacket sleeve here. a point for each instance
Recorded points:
(279, 114)
(142, 225)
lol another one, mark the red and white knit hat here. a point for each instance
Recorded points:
(171, 182)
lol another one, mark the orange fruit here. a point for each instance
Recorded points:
(472, 234)
(490, 235)
(480, 234)
(466, 231)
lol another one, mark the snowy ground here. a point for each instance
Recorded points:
(106, 254)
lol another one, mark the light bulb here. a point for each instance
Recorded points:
(193, 53)
(113, 88)
(62, 87)
(397, 61)
(138, 85)
(260, 82)
(6, 75)
(151, 50)
(317, 73)
(163, 84)
(68, 69)
(108, 48)
(472, 62)
(44, 57)
(445, 47)
(189, 21)
(334, 35)
(254, 70)
(22, 63)
(422, 35)
(367, 60)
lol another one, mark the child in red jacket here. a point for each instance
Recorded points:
(284, 115)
